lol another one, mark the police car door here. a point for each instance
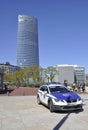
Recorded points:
(42, 94)
(45, 95)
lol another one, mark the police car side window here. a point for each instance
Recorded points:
(42, 88)
(46, 89)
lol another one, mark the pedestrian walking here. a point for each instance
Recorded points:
(65, 83)
(73, 86)
(83, 87)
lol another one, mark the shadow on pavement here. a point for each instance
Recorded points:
(69, 111)
(61, 122)
(57, 127)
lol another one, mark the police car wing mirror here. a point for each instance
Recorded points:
(45, 92)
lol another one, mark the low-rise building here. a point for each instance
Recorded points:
(8, 68)
(71, 73)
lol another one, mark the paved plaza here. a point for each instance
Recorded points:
(23, 113)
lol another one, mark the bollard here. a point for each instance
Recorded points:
(7, 93)
(23, 94)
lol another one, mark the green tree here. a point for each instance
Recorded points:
(34, 73)
(50, 73)
(22, 76)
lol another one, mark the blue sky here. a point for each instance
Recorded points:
(62, 28)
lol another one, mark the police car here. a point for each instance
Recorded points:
(58, 97)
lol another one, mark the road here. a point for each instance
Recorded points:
(23, 113)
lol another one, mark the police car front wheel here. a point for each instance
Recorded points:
(51, 107)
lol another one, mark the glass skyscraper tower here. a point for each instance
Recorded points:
(27, 41)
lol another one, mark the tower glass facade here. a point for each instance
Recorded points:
(27, 41)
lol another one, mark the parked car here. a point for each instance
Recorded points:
(58, 97)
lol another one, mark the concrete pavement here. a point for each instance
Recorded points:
(23, 113)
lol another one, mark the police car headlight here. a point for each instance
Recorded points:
(57, 100)
(79, 99)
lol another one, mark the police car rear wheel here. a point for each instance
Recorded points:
(38, 100)
(51, 106)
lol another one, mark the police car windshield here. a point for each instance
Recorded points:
(60, 89)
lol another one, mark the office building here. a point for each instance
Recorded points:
(27, 41)
(80, 74)
(65, 72)
(71, 73)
